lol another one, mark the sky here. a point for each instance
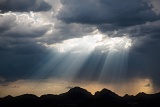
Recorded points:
(50, 46)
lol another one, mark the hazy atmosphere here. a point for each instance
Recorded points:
(50, 46)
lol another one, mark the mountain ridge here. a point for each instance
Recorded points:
(79, 97)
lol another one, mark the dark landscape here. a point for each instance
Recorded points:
(79, 97)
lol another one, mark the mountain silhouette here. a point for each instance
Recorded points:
(105, 93)
(79, 97)
(77, 93)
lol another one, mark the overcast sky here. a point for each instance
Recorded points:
(107, 42)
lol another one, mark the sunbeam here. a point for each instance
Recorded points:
(90, 57)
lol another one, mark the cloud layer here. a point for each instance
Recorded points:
(31, 29)
(110, 12)
(24, 6)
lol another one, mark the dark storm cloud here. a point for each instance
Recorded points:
(149, 29)
(110, 12)
(19, 60)
(24, 5)
(20, 51)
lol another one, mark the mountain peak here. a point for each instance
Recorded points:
(141, 94)
(77, 89)
(77, 93)
(106, 93)
(106, 90)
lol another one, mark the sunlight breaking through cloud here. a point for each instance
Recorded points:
(70, 57)
(73, 56)
(89, 43)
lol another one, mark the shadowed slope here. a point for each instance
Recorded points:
(79, 97)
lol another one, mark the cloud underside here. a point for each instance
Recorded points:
(30, 29)
(110, 12)
(24, 6)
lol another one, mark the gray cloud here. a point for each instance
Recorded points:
(73, 30)
(24, 6)
(150, 29)
(20, 51)
(21, 26)
(6, 22)
(20, 60)
(118, 14)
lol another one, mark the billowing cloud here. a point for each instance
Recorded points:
(19, 45)
(109, 12)
(24, 6)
